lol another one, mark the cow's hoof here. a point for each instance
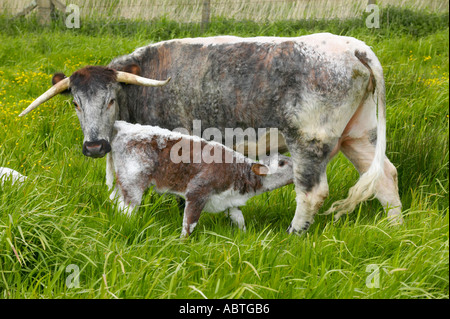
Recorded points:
(301, 231)
(395, 219)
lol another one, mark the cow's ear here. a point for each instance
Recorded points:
(59, 77)
(132, 68)
(260, 169)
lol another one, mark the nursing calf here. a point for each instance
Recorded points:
(209, 175)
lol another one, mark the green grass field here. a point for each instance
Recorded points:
(61, 215)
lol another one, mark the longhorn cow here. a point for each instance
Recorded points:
(321, 91)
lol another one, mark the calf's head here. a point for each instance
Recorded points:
(276, 169)
(95, 92)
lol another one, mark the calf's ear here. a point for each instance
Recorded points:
(59, 77)
(260, 169)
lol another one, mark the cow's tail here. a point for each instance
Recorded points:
(365, 188)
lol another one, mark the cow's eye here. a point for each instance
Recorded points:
(76, 105)
(111, 103)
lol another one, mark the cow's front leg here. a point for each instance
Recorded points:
(310, 160)
(308, 204)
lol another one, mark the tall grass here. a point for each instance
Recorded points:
(254, 10)
(393, 21)
(61, 215)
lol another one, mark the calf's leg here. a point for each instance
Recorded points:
(192, 212)
(196, 198)
(236, 217)
(129, 188)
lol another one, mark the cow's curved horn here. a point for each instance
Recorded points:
(59, 87)
(131, 78)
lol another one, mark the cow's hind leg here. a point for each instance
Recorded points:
(310, 159)
(361, 151)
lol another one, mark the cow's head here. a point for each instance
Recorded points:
(94, 90)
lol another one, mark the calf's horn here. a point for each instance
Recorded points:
(131, 78)
(59, 87)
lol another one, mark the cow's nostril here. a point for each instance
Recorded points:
(96, 148)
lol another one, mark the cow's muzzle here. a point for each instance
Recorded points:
(96, 149)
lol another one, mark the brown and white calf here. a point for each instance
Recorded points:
(209, 175)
